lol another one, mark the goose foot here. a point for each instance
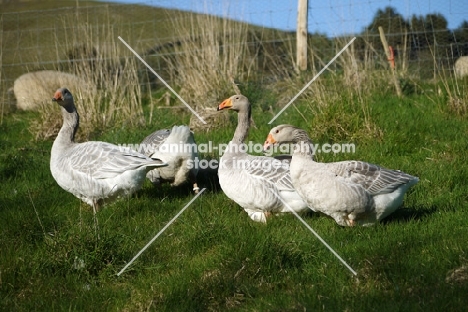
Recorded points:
(196, 189)
(349, 220)
(258, 216)
(344, 220)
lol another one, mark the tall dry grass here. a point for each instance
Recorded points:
(93, 52)
(208, 57)
(452, 95)
(211, 52)
(338, 101)
(451, 90)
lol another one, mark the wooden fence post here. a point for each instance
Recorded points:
(301, 35)
(391, 60)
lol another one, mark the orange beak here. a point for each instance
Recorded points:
(225, 104)
(270, 141)
(57, 96)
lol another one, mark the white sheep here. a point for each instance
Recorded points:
(34, 88)
(461, 67)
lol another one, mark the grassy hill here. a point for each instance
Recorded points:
(213, 257)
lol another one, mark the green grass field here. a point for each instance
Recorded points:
(214, 257)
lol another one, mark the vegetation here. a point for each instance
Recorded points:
(213, 257)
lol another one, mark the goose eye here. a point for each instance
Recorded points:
(277, 131)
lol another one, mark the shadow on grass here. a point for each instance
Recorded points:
(209, 178)
(206, 178)
(416, 213)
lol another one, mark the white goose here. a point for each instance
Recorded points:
(252, 181)
(177, 148)
(96, 172)
(352, 192)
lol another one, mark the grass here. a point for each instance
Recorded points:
(187, 66)
(213, 257)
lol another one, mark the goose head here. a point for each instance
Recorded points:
(64, 98)
(238, 103)
(281, 134)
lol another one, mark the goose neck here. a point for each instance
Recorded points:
(71, 121)
(242, 129)
(303, 144)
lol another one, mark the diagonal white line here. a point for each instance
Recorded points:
(315, 233)
(162, 80)
(313, 79)
(160, 232)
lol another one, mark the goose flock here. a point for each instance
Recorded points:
(351, 192)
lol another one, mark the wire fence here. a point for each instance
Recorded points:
(427, 35)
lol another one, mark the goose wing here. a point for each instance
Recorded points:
(376, 180)
(272, 171)
(155, 139)
(103, 160)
